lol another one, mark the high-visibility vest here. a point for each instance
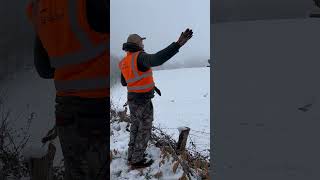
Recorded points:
(137, 81)
(79, 55)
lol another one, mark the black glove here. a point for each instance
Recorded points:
(185, 36)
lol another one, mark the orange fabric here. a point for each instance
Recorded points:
(53, 27)
(127, 71)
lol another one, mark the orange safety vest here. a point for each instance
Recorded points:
(137, 81)
(80, 56)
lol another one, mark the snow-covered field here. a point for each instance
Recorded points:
(185, 101)
(182, 104)
(265, 71)
(120, 169)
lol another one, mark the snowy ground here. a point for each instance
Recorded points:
(120, 169)
(26, 93)
(265, 71)
(185, 101)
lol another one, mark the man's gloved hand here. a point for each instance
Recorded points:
(185, 36)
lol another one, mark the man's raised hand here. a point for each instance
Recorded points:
(185, 36)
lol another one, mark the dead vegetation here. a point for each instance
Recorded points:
(193, 163)
(12, 143)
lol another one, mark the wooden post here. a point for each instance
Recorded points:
(42, 168)
(209, 63)
(183, 137)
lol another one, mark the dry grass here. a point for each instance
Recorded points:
(193, 163)
(12, 142)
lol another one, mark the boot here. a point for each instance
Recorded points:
(144, 156)
(142, 164)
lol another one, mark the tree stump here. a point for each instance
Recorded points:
(42, 168)
(183, 137)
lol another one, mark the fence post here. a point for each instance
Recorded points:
(42, 168)
(183, 137)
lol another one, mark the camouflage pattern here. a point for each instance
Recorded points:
(141, 116)
(83, 135)
(83, 157)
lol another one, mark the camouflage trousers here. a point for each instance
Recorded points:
(84, 143)
(141, 116)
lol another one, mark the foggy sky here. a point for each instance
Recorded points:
(16, 36)
(235, 10)
(162, 22)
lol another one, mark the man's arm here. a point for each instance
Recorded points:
(42, 61)
(146, 61)
(123, 81)
(98, 13)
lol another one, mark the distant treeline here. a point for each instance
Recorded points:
(188, 63)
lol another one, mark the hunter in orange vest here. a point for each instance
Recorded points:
(136, 74)
(78, 53)
(137, 81)
(72, 47)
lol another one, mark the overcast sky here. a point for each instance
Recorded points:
(162, 22)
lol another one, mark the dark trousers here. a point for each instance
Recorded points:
(83, 131)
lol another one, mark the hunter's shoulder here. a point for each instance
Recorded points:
(142, 54)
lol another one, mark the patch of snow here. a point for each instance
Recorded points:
(267, 70)
(180, 129)
(185, 101)
(121, 170)
(39, 99)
